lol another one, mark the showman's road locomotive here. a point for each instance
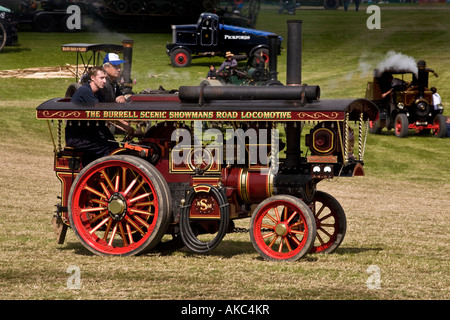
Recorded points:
(182, 185)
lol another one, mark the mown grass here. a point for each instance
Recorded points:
(397, 214)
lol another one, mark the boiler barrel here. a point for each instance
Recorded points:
(194, 93)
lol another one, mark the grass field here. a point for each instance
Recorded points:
(397, 214)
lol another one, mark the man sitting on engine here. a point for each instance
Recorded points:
(92, 137)
(111, 91)
(230, 64)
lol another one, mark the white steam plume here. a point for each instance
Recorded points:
(395, 61)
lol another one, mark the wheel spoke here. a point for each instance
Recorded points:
(277, 215)
(108, 228)
(286, 241)
(327, 216)
(292, 216)
(94, 209)
(273, 241)
(137, 188)
(129, 187)
(108, 181)
(116, 186)
(130, 236)
(128, 219)
(122, 234)
(268, 235)
(320, 211)
(98, 193)
(98, 226)
(105, 189)
(113, 235)
(139, 197)
(101, 215)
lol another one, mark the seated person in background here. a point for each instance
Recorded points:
(229, 64)
(92, 137)
(211, 73)
(395, 84)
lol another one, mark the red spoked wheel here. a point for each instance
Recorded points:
(282, 228)
(119, 205)
(330, 222)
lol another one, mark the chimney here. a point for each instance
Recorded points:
(293, 78)
(294, 53)
(126, 73)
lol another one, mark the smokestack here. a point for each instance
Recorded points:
(294, 53)
(293, 78)
(126, 73)
(422, 77)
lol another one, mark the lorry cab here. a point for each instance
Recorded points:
(209, 37)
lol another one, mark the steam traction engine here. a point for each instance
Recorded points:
(172, 187)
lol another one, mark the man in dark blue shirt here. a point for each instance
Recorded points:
(92, 137)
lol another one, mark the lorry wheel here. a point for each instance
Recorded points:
(264, 53)
(439, 120)
(331, 4)
(119, 205)
(44, 23)
(330, 222)
(401, 125)
(282, 228)
(180, 58)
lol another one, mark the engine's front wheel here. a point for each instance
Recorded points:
(282, 228)
(119, 205)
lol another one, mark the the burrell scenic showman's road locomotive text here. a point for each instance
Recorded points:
(211, 155)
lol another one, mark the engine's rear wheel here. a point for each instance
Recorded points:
(282, 228)
(119, 205)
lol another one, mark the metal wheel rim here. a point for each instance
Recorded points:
(95, 214)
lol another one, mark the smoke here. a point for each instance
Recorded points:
(395, 61)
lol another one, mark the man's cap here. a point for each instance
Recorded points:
(113, 59)
(229, 54)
